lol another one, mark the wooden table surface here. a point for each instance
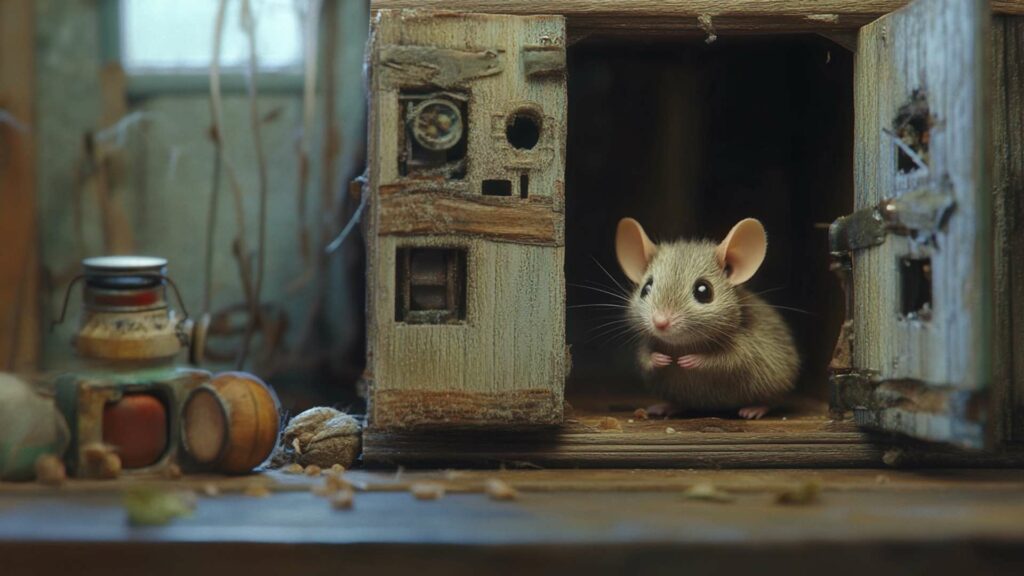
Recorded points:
(586, 522)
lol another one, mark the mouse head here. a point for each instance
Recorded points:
(686, 292)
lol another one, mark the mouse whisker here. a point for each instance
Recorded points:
(802, 311)
(602, 305)
(601, 291)
(608, 274)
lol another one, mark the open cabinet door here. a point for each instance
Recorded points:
(465, 229)
(918, 246)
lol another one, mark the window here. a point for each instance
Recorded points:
(175, 36)
(431, 285)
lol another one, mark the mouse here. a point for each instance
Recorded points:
(706, 342)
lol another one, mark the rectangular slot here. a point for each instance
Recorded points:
(430, 285)
(916, 288)
(496, 187)
(524, 185)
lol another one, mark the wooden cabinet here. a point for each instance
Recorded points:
(467, 281)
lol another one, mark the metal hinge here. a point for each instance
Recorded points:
(923, 211)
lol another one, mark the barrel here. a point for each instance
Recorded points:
(231, 424)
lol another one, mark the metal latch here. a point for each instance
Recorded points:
(922, 211)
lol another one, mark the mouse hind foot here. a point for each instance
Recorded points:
(753, 412)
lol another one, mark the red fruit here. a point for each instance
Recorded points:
(136, 426)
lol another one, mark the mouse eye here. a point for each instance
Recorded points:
(646, 290)
(702, 291)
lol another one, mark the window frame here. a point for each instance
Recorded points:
(148, 84)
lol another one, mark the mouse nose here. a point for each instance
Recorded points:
(660, 320)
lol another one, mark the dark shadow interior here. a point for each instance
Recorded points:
(689, 138)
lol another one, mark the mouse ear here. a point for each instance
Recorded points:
(633, 249)
(743, 250)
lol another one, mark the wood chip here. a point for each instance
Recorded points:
(609, 423)
(312, 470)
(293, 468)
(256, 490)
(427, 490)
(343, 500)
(640, 414)
(101, 461)
(707, 492)
(498, 489)
(172, 472)
(806, 493)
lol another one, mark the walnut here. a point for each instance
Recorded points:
(324, 437)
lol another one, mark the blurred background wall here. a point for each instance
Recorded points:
(119, 131)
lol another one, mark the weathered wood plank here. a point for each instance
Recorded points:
(933, 52)
(425, 409)
(20, 338)
(414, 213)
(440, 67)
(1007, 103)
(637, 17)
(504, 365)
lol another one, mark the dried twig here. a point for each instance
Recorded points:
(220, 140)
(312, 28)
(249, 24)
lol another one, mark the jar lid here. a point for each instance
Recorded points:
(124, 264)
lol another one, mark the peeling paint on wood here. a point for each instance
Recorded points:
(935, 48)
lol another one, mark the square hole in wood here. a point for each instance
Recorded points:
(430, 285)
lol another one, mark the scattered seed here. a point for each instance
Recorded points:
(256, 491)
(211, 490)
(707, 492)
(881, 479)
(498, 489)
(670, 430)
(293, 468)
(609, 423)
(427, 490)
(630, 420)
(805, 493)
(343, 500)
(312, 470)
(337, 468)
(172, 471)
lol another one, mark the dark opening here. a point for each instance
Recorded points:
(916, 288)
(430, 285)
(912, 128)
(496, 187)
(524, 185)
(689, 138)
(432, 142)
(523, 129)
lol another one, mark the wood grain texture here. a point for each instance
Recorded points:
(512, 342)
(523, 221)
(253, 417)
(938, 47)
(800, 435)
(1007, 104)
(20, 317)
(637, 17)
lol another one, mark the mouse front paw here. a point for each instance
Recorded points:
(659, 360)
(690, 361)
